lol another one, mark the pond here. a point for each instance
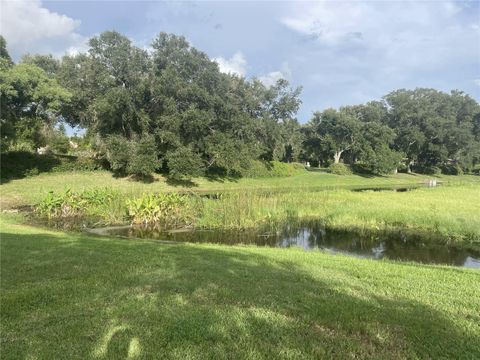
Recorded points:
(314, 236)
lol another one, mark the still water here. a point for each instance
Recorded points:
(313, 236)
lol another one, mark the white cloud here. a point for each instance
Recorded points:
(29, 27)
(272, 77)
(477, 82)
(409, 33)
(237, 64)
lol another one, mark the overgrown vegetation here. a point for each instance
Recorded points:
(441, 214)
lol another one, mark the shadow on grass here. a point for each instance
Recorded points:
(104, 298)
(188, 183)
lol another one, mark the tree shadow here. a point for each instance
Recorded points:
(183, 182)
(217, 302)
(222, 178)
(21, 164)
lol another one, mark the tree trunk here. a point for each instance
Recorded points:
(337, 155)
(409, 166)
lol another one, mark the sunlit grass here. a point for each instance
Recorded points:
(30, 190)
(75, 296)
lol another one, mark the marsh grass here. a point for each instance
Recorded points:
(446, 214)
(449, 212)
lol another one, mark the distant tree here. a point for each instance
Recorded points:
(337, 131)
(45, 62)
(4, 55)
(31, 103)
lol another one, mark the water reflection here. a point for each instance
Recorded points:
(314, 236)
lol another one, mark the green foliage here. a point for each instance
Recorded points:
(183, 162)
(260, 169)
(143, 160)
(169, 210)
(132, 157)
(119, 151)
(452, 169)
(104, 206)
(340, 169)
(30, 102)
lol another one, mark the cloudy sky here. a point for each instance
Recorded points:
(341, 52)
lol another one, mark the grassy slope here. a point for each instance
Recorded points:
(76, 296)
(30, 190)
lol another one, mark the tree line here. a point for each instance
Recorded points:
(171, 109)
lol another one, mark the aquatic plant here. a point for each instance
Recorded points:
(165, 209)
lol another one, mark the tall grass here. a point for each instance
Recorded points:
(449, 212)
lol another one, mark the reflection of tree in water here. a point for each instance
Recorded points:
(313, 235)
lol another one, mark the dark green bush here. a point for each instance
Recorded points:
(427, 170)
(183, 162)
(476, 169)
(118, 153)
(143, 160)
(260, 169)
(452, 169)
(340, 169)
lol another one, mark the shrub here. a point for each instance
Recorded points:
(260, 168)
(118, 152)
(452, 169)
(183, 162)
(143, 160)
(476, 169)
(427, 170)
(340, 169)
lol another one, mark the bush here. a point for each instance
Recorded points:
(427, 170)
(340, 169)
(143, 160)
(452, 169)
(118, 153)
(476, 169)
(183, 162)
(132, 157)
(260, 169)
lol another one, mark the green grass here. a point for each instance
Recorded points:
(72, 296)
(30, 190)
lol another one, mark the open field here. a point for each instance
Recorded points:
(30, 190)
(76, 296)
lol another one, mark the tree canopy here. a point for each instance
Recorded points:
(171, 109)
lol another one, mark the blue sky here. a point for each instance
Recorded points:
(341, 52)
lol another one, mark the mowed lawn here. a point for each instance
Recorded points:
(72, 296)
(29, 190)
